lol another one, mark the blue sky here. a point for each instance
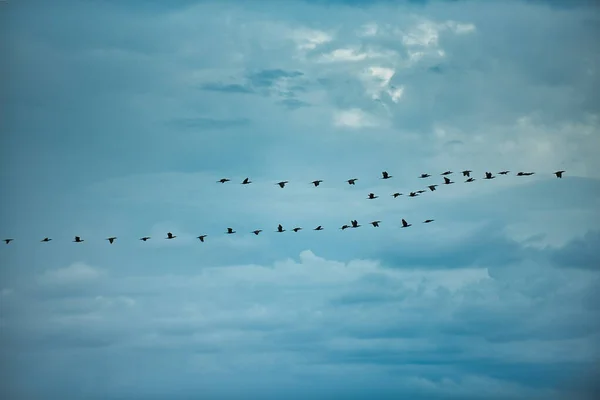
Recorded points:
(118, 118)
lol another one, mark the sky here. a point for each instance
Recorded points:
(118, 118)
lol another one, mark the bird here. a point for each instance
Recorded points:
(317, 182)
(447, 173)
(525, 173)
(420, 191)
(424, 176)
(397, 194)
(170, 236)
(467, 173)
(223, 180)
(281, 184)
(46, 239)
(7, 241)
(447, 181)
(470, 180)
(432, 187)
(413, 194)
(201, 237)
(78, 239)
(488, 175)
(559, 174)
(256, 232)
(385, 175)
(246, 181)
(372, 196)
(111, 240)
(318, 228)
(351, 181)
(280, 228)
(344, 227)
(375, 224)
(297, 229)
(503, 172)
(230, 231)
(428, 221)
(405, 224)
(145, 238)
(354, 223)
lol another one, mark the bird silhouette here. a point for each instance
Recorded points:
(525, 173)
(424, 176)
(78, 239)
(46, 239)
(201, 237)
(447, 181)
(446, 173)
(372, 196)
(318, 228)
(230, 231)
(280, 228)
(375, 224)
(470, 180)
(559, 174)
(344, 227)
(351, 181)
(223, 180)
(405, 224)
(467, 173)
(428, 221)
(7, 241)
(297, 229)
(170, 236)
(111, 240)
(488, 175)
(246, 181)
(413, 194)
(256, 232)
(432, 187)
(420, 191)
(397, 194)
(503, 172)
(282, 184)
(385, 175)
(354, 223)
(317, 182)
(145, 238)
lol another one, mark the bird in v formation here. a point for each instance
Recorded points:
(352, 181)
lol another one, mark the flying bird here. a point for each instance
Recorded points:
(297, 229)
(223, 180)
(559, 174)
(447, 181)
(424, 176)
(230, 231)
(170, 236)
(280, 228)
(145, 238)
(77, 239)
(428, 221)
(503, 172)
(46, 239)
(467, 173)
(413, 194)
(351, 181)
(318, 228)
(201, 237)
(420, 191)
(397, 194)
(7, 241)
(111, 240)
(372, 196)
(375, 224)
(246, 181)
(470, 180)
(405, 224)
(344, 227)
(488, 175)
(447, 173)
(256, 232)
(282, 184)
(525, 173)
(317, 182)
(432, 187)
(385, 175)
(354, 223)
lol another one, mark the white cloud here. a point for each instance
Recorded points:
(353, 118)
(350, 54)
(310, 39)
(76, 273)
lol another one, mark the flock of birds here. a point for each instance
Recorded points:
(353, 223)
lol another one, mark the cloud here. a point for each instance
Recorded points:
(353, 118)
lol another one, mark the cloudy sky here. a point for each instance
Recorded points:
(118, 118)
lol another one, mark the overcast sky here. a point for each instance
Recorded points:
(118, 118)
